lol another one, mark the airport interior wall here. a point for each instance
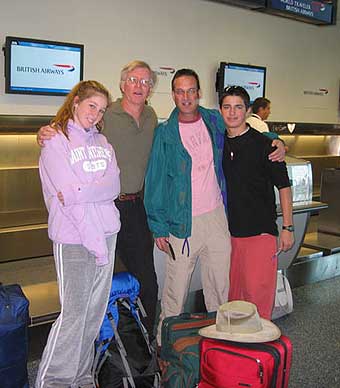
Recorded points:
(184, 33)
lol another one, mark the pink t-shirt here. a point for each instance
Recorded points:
(206, 193)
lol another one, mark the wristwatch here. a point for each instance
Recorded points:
(290, 228)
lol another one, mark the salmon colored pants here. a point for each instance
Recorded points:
(253, 270)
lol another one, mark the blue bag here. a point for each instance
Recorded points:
(14, 319)
(124, 355)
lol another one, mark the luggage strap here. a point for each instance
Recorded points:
(125, 383)
(122, 352)
(96, 364)
(135, 313)
(157, 381)
(141, 307)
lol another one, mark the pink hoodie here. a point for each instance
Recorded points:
(84, 169)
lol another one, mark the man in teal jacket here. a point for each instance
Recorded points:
(169, 202)
(183, 198)
(185, 194)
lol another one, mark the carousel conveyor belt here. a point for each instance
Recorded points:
(37, 277)
(306, 254)
(325, 242)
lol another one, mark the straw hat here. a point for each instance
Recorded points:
(239, 321)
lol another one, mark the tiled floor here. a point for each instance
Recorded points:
(314, 328)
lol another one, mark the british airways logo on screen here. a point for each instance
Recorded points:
(58, 69)
(66, 67)
(254, 84)
(250, 85)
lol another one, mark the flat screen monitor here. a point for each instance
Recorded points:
(252, 78)
(316, 12)
(34, 66)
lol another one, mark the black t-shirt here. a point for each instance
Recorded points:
(251, 178)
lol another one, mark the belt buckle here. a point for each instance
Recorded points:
(122, 196)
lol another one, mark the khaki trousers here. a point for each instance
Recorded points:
(210, 242)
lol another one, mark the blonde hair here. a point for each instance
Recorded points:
(134, 65)
(83, 90)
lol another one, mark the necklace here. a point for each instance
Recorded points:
(239, 134)
(230, 151)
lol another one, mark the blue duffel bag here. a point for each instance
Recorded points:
(14, 318)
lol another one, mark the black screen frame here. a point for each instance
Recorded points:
(8, 57)
(220, 75)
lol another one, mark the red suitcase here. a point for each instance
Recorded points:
(226, 364)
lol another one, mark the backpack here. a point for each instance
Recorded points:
(124, 355)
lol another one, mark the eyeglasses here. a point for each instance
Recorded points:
(143, 82)
(189, 92)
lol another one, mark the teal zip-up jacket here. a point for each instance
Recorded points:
(167, 196)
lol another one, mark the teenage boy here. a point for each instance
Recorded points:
(251, 178)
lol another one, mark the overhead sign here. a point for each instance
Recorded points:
(315, 11)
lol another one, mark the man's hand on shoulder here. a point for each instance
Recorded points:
(45, 133)
(279, 154)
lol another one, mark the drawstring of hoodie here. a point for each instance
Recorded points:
(186, 244)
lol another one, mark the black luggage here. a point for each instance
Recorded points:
(14, 319)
